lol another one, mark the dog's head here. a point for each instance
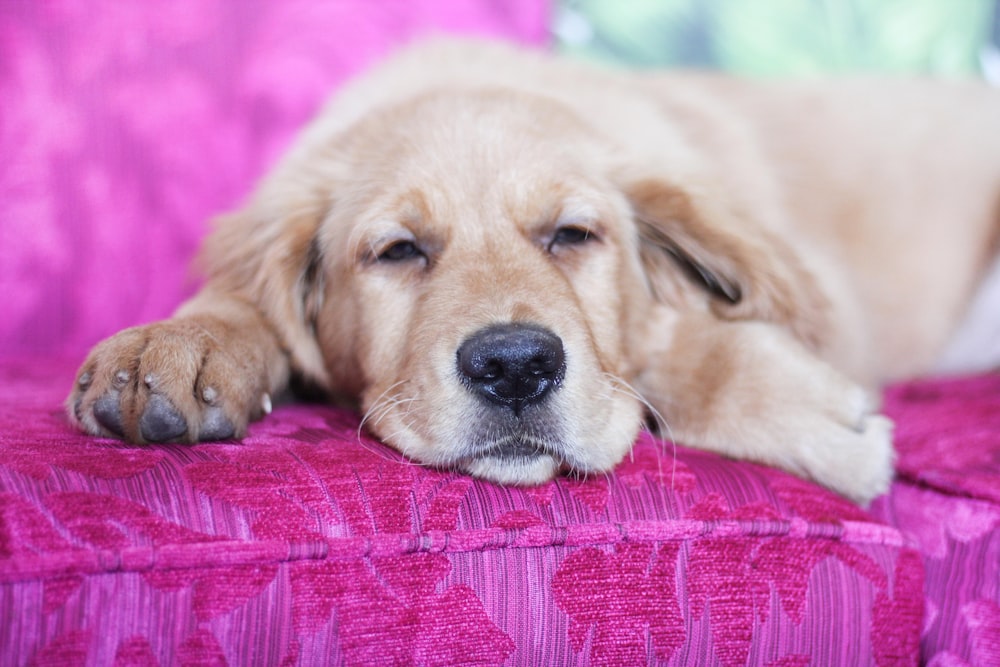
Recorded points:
(479, 270)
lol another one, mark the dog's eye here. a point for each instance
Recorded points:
(400, 251)
(571, 236)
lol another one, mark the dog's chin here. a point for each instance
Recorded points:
(527, 470)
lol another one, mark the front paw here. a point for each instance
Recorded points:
(181, 380)
(855, 460)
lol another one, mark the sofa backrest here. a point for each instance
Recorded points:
(125, 127)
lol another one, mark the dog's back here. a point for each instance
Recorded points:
(895, 181)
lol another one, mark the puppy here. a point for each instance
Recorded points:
(508, 261)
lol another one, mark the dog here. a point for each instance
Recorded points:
(510, 262)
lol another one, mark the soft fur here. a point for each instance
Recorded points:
(743, 262)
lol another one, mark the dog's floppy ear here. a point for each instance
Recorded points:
(272, 259)
(747, 270)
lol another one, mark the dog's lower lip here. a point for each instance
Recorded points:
(510, 449)
(520, 453)
(511, 457)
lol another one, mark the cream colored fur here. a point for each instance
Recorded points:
(760, 257)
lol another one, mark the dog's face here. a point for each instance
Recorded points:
(471, 268)
(475, 273)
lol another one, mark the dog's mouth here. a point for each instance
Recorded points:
(521, 458)
(516, 447)
(519, 413)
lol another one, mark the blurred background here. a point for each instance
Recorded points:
(787, 37)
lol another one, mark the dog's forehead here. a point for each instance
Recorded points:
(476, 136)
(475, 163)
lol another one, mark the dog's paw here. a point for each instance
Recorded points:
(830, 428)
(751, 391)
(854, 459)
(180, 380)
(816, 423)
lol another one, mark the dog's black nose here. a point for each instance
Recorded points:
(512, 364)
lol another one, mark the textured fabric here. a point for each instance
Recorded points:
(124, 126)
(309, 543)
(948, 501)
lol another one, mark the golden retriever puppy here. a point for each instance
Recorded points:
(509, 261)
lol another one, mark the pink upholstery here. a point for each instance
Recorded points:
(948, 500)
(123, 126)
(307, 544)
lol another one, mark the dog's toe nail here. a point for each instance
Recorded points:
(161, 421)
(149, 380)
(108, 414)
(265, 403)
(77, 404)
(85, 380)
(216, 426)
(121, 378)
(208, 394)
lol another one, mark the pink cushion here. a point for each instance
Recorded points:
(947, 500)
(308, 543)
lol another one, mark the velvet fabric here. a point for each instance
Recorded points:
(308, 543)
(123, 127)
(947, 500)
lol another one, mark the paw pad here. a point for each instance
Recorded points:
(108, 414)
(161, 421)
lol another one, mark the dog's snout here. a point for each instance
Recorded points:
(514, 365)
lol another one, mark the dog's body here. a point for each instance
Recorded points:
(506, 259)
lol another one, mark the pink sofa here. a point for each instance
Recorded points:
(123, 127)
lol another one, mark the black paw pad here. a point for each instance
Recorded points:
(108, 414)
(216, 426)
(161, 421)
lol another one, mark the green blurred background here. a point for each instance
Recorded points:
(786, 37)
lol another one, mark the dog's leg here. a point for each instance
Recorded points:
(751, 391)
(201, 375)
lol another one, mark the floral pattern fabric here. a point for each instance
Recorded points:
(948, 501)
(309, 543)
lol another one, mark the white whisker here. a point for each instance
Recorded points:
(618, 384)
(380, 408)
(388, 404)
(377, 404)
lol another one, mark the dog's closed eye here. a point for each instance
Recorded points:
(401, 251)
(571, 236)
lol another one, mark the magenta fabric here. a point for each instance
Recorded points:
(948, 500)
(309, 544)
(125, 126)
